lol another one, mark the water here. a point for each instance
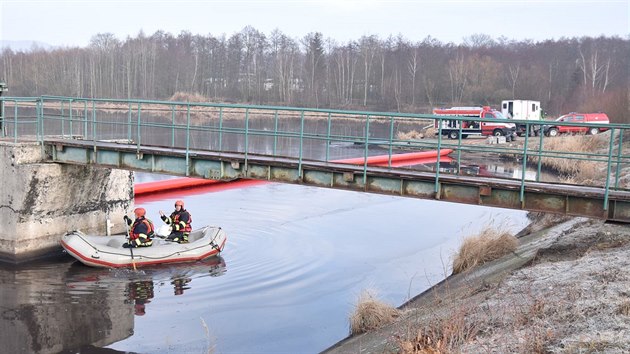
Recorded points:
(296, 261)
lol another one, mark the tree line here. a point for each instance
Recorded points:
(392, 74)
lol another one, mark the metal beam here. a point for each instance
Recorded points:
(486, 191)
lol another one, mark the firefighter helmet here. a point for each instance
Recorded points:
(139, 212)
(180, 203)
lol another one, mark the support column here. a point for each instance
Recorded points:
(39, 201)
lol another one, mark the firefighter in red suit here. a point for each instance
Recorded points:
(180, 221)
(141, 232)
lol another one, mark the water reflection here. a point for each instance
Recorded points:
(43, 313)
(63, 306)
(140, 293)
(489, 170)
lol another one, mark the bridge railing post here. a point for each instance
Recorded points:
(187, 139)
(3, 127)
(246, 136)
(524, 167)
(367, 146)
(15, 122)
(93, 123)
(608, 166)
(70, 117)
(619, 150)
(301, 151)
(129, 110)
(172, 125)
(85, 118)
(139, 128)
(437, 166)
(328, 128)
(540, 151)
(391, 141)
(220, 128)
(275, 132)
(39, 111)
(62, 118)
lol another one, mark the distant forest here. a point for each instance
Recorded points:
(393, 74)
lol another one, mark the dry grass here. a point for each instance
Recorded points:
(431, 132)
(442, 335)
(624, 308)
(572, 170)
(188, 97)
(370, 314)
(411, 135)
(489, 245)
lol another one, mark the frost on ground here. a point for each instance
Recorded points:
(574, 297)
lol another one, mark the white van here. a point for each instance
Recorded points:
(522, 110)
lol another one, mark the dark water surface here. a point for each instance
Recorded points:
(296, 261)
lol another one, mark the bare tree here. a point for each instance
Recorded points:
(458, 73)
(594, 69)
(413, 65)
(567, 74)
(368, 47)
(285, 53)
(513, 70)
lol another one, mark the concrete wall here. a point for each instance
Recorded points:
(39, 202)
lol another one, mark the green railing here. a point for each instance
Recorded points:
(307, 134)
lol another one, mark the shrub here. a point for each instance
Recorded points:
(411, 135)
(187, 97)
(371, 314)
(443, 335)
(489, 245)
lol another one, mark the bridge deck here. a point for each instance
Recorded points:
(480, 190)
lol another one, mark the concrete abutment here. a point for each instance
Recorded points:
(41, 201)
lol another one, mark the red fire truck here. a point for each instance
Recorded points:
(451, 128)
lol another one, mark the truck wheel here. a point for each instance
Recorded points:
(453, 134)
(497, 132)
(552, 132)
(593, 131)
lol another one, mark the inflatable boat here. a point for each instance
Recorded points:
(108, 251)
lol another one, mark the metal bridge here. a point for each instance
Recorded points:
(302, 146)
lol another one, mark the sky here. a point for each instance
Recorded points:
(74, 22)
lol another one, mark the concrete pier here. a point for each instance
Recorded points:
(40, 201)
